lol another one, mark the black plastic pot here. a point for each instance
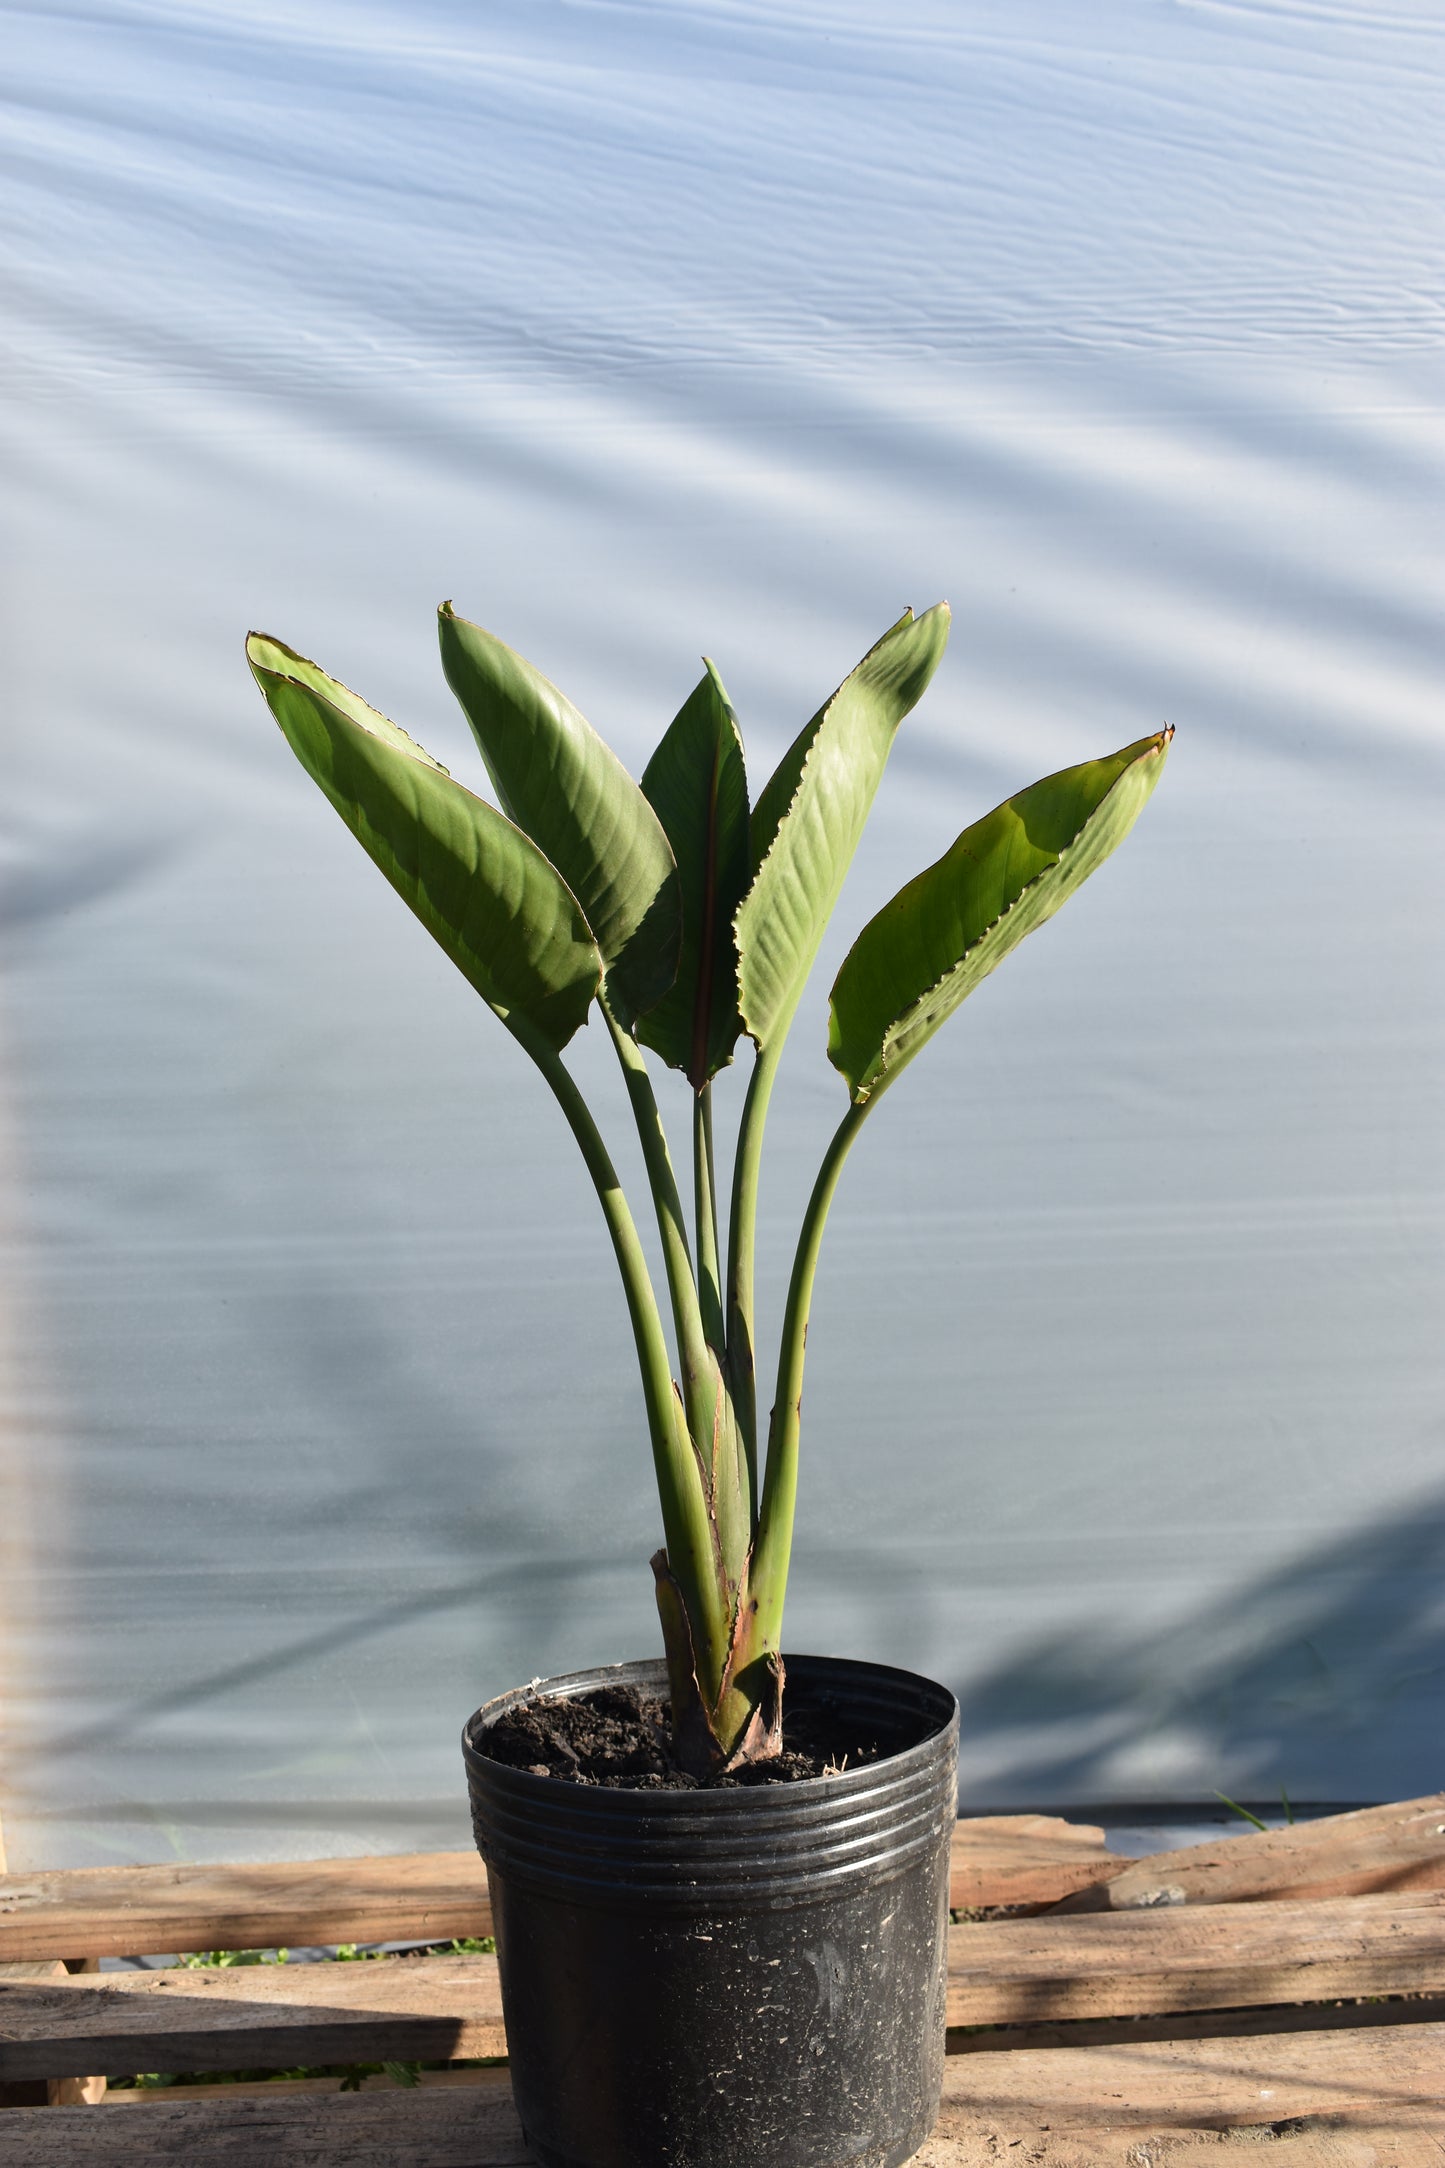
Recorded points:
(703, 1979)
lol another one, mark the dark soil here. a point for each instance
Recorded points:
(618, 1737)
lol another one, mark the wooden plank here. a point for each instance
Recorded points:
(1364, 2138)
(430, 2127)
(1118, 1964)
(432, 1896)
(424, 1896)
(1379, 1850)
(1026, 1859)
(253, 2017)
(31, 2091)
(1369, 2100)
(1201, 2084)
(76, 2092)
(1200, 2025)
(1024, 1971)
(135, 1911)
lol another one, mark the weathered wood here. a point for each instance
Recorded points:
(252, 2017)
(77, 2092)
(431, 1896)
(1201, 2084)
(1118, 1964)
(139, 1911)
(425, 1896)
(430, 2127)
(1379, 2138)
(32, 2092)
(1200, 2025)
(1000, 1972)
(1379, 1850)
(1026, 1859)
(997, 1860)
(1370, 2097)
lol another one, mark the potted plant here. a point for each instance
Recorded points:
(701, 1965)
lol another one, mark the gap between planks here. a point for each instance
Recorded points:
(1028, 1971)
(1367, 2100)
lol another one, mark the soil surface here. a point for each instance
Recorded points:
(615, 1736)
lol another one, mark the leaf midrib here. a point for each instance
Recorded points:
(702, 1004)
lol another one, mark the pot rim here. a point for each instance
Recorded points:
(566, 1686)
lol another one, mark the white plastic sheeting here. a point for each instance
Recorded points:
(638, 330)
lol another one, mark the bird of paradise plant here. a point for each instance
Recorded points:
(693, 920)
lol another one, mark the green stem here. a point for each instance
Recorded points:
(773, 1550)
(742, 1236)
(684, 1507)
(736, 1459)
(704, 1190)
(700, 1376)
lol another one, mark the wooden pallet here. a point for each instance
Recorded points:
(1140, 2013)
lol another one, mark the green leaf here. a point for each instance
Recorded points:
(557, 780)
(697, 784)
(806, 825)
(928, 949)
(504, 915)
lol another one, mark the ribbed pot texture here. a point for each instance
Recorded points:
(744, 1978)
